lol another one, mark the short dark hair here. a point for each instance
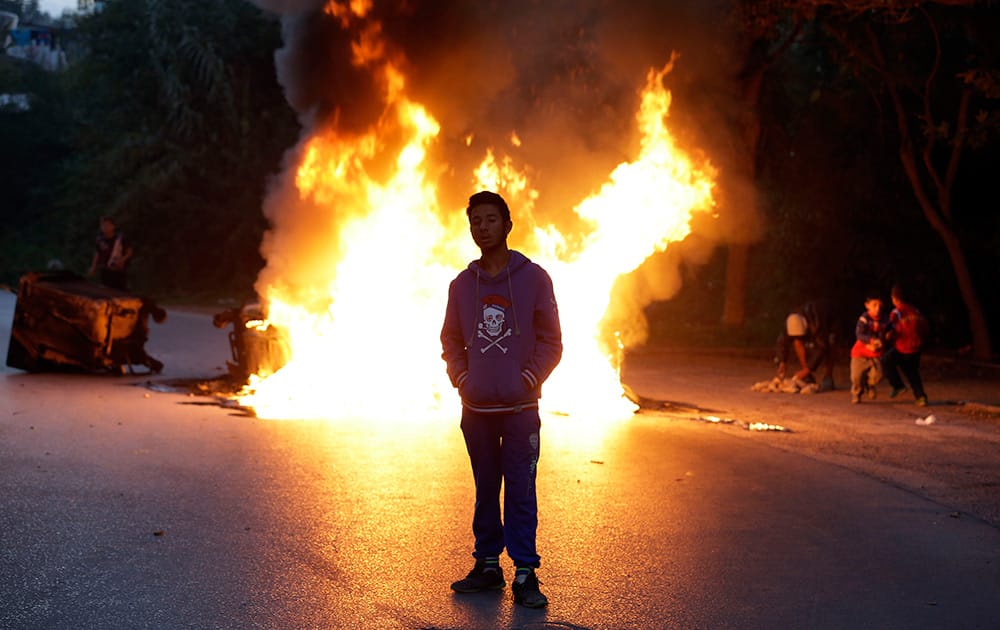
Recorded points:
(486, 197)
(899, 292)
(873, 294)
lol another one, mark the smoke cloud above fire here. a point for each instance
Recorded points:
(553, 84)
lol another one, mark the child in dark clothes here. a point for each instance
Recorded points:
(869, 333)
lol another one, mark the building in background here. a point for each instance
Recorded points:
(35, 43)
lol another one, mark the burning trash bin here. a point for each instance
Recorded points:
(61, 320)
(257, 347)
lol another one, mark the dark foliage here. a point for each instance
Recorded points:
(841, 214)
(173, 122)
(35, 143)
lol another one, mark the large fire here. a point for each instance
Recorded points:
(363, 325)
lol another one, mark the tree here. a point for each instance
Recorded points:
(931, 60)
(34, 143)
(25, 9)
(179, 121)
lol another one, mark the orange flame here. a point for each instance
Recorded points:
(346, 12)
(364, 332)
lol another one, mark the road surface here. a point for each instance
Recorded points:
(126, 507)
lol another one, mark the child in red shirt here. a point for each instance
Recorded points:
(907, 330)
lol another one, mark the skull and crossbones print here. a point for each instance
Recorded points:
(491, 328)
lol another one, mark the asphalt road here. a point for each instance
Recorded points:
(125, 507)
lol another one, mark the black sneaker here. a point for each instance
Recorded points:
(526, 593)
(482, 577)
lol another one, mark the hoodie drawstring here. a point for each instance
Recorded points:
(513, 306)
(475, 307)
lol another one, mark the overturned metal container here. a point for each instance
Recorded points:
(62, 320)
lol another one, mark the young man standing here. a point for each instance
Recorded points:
(501, 339)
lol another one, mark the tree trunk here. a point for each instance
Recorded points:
(734, 308)
(981, 342)
(737, 253)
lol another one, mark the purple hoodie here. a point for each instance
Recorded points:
(501, 335)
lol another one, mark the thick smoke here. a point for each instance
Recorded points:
(564, 75)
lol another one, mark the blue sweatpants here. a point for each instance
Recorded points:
(504, 447)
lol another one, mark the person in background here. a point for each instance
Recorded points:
(112, 254)
(866, 353)
(907, 331)
(809, 338)
(501, 339)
